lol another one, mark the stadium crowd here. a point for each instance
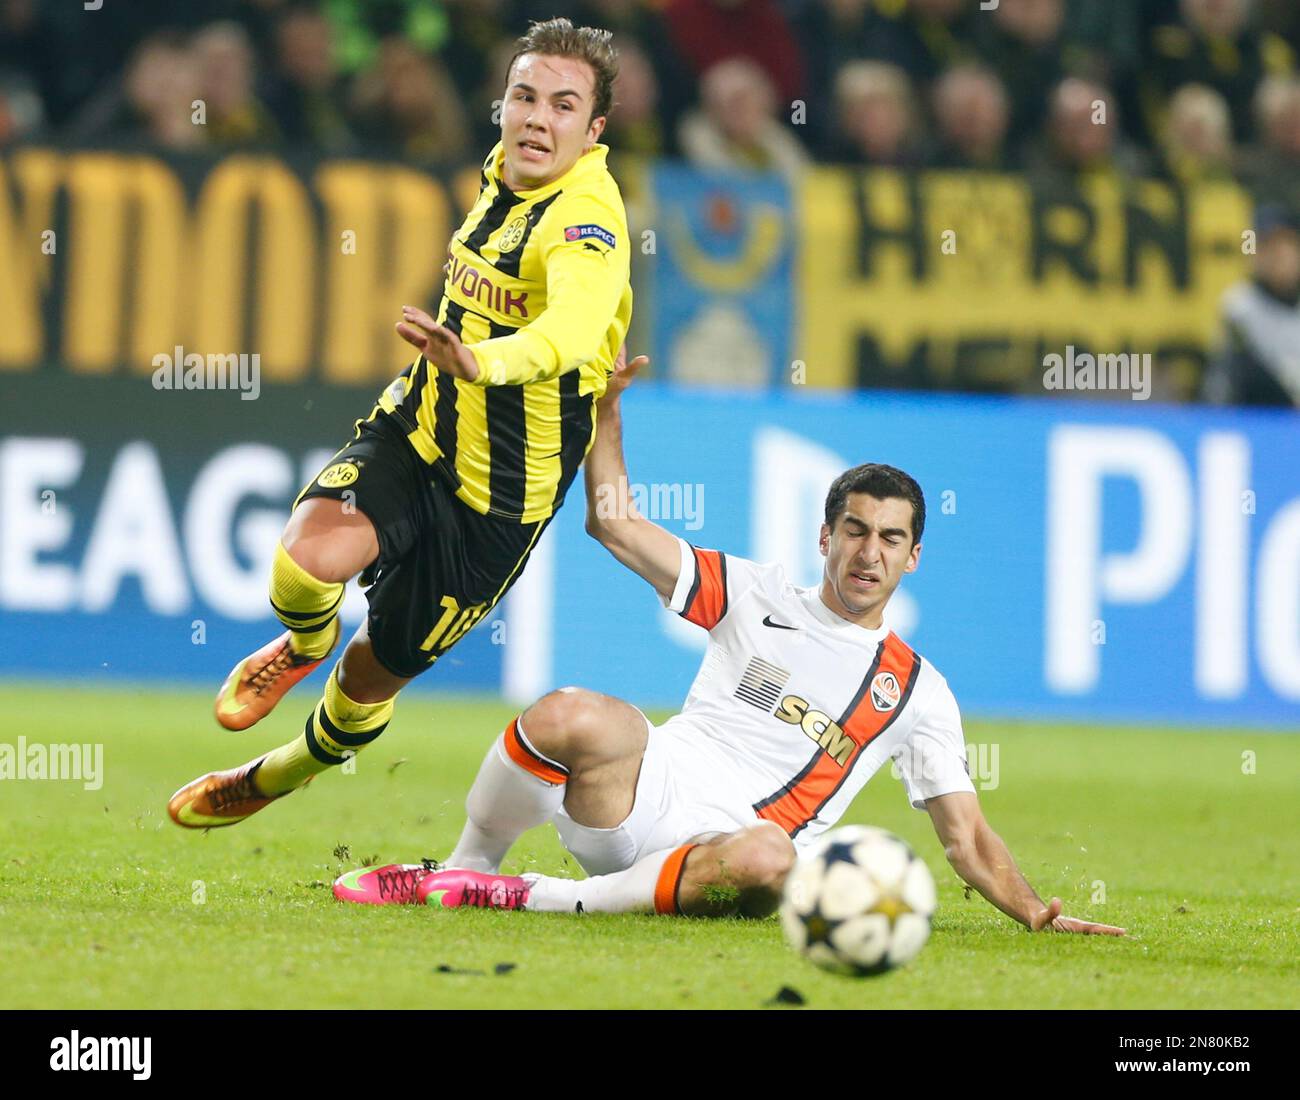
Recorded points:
(1194, 89)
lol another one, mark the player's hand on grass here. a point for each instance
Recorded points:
(1050, 920)
(623, 374)
(437, 343)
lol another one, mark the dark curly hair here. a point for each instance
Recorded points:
(881, 482)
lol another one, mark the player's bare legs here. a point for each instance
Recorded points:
(354, 711)
(737, 874)
(360, 674)
(325, 544)
(330, 540)
(573, 748)
(583, 751)
(600, 740)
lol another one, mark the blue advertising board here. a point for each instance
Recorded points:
(1097, 560)
(1079, 559)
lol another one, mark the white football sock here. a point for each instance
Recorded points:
(510, 795)
(648, 886)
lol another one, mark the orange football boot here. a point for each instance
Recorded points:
(220, 798)
(262, 679)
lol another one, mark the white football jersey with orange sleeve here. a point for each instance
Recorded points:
(797, 707)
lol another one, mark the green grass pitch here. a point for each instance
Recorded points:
(104, 903)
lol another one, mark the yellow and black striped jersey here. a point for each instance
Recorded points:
(537, 286)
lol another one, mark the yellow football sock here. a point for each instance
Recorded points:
(336, 730)
(307, 606)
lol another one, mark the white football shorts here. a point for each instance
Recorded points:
(682, 794)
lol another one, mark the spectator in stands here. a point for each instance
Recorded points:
(407, 105)
(1197, 141)
(21, 111)
(234, 114)
(972, 116)
(1282, 17)
(362, 27)
(1214, 44)
(478, 31)
(1103, 40)
(151, 102)
(259, 18)
(737, 126)
(832, 35)
(1272, 167)
(1022, 42)
(305, 94)
(878, 122)
(1083, 137)
(634, 125)
(31, 67)
(483, 99)
(1258, 360)
(705, 32)
(926, 37)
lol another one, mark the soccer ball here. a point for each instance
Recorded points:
(858, 902)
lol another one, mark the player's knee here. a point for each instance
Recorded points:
(327, 544)
(762, 858)
(563, 724)
(305, 553)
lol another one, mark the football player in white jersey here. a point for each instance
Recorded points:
(803, 695)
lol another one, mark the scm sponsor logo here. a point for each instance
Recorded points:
(818, 726)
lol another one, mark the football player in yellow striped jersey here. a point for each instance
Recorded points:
(448, 483)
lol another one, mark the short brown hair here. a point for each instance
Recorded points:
(560, 38)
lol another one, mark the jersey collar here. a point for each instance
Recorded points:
(812, 599)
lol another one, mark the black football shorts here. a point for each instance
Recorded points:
(442, 566)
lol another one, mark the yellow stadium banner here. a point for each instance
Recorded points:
(966, 280)
(113, 258)
(913, 280)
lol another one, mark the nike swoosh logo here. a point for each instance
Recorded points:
(352, 880)
(190, 816)
(228, 689)
(779, 626)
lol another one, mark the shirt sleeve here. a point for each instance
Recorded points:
(931, 761)
(709, 582)
(585, 249)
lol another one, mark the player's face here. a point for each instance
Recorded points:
(546, 122)
(867, 553)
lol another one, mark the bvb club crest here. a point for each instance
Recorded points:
(338, 475)
(512, 235)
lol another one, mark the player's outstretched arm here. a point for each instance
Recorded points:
(612, 517)
(981, 858)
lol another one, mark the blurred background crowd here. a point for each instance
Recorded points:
(1193, 90)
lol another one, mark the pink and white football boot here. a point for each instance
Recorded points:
(394, 884)
(456, 889)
